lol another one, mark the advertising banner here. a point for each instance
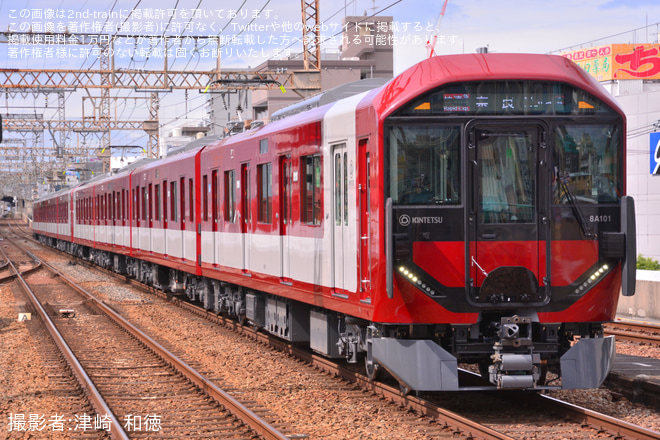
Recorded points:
(619, 61)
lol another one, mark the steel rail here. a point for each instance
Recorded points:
(256, 423)
(618, 427)
(116, 430)
(634, 331)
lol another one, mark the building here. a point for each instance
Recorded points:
(631, 73)
(366, 52)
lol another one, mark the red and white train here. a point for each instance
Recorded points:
(471, 210)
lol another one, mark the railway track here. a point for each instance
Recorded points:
(543, 417)
(641, 332)
(137, 388)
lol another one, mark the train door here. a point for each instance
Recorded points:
(246, 215)
(285, 216)
(505, 214)
(340, 238)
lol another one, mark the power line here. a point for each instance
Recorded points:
(604, 38)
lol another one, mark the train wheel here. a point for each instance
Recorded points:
(373, 369)
(405, 389)
(242, 319)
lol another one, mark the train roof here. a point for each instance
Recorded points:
(329, 96)
(437, 71)
(197, 143)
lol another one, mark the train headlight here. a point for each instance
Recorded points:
(417, 281)
(593, 278)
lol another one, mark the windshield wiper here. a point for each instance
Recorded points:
(579, 216)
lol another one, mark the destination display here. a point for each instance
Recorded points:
(506, 98)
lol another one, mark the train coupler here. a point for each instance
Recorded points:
(515, 371)
(511, 370)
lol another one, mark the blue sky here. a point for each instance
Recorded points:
(503, 26)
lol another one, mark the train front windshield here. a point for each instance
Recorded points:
(427, 164)
(587, 162)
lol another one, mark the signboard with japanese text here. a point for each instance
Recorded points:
(619, 61)
(655, 153)
(597, 61)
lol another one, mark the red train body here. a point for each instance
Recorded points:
(470, 210)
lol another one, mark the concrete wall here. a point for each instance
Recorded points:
(645, 303)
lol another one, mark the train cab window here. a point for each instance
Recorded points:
(230, 195)
(424, 164)
(311, 190)
(264, 192)
(587, 165)
(506, 162)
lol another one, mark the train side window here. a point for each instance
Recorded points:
(150, 202)
(191, 191)
(345, 189)
(145, 200)
(264, 192)
(205, 191)
(338, 189)
(182, 192)
(215, 213)
(157, 203)
(230, 195)
(165, 197)
(173, 204)
(311, 190)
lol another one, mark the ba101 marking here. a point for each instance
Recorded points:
(600, 218)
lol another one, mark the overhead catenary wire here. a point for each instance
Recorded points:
(591, 42)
